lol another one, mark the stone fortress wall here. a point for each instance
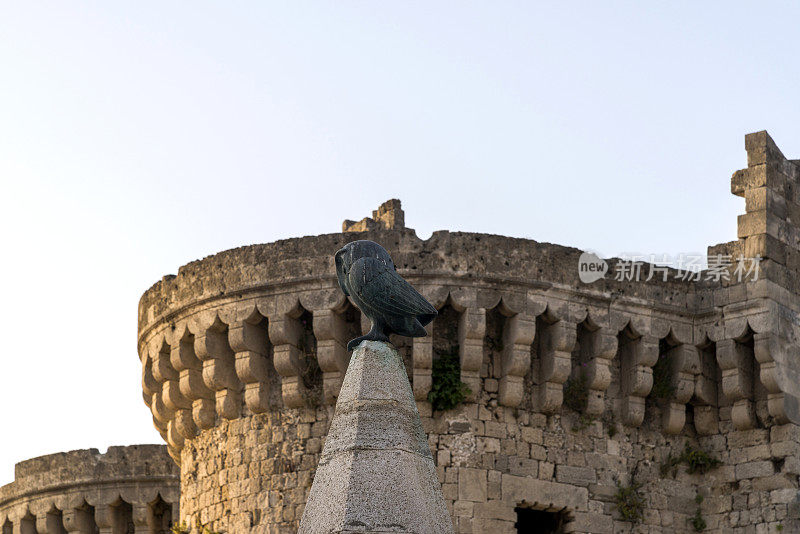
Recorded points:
(243, 354)
(130, 489)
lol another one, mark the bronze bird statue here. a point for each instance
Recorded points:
(367, 275)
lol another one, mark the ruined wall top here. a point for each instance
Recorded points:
(770, 226)
(388, 216)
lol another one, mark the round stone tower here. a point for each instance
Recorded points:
(127, 490)
(546, 400)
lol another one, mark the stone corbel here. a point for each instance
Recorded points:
(174, 438)
(175, 454)
(140, 516)
(149, 384)
(684, 361)
(161, 427)
(104, 517)
(332, 333)
(285, 333)
(168, 375)
(637, 358)
(173, 398)
(249, 340)
(736, 362)
(219, 370)
(193, 396)
(78, 520)
(151, 388)
(160, 411)
(42, 523)
(162, 366)
(557, 341)
(518, 336)
(162, 372)
(602, 346)
(768, 350)
(471, 331)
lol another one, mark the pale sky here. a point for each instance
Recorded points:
(136, 137)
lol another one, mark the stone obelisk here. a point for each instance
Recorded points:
(376, 472)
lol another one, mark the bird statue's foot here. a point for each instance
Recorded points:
(372, 336)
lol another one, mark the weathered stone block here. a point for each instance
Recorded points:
(754, 469)
(495, 509)
(762, 222)
(761, 149)
(532, 435)
(463, 508)
(550, 495)
(765, 246)
(472, 484)
(495, 430)
(580, 476)
(765, 198)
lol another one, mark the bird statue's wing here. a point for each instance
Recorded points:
(381, 287)
(340, 276)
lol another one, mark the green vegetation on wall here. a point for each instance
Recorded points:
(629, 503)
(696, 460)
(447, 389)
(576, 392)
(698, 523)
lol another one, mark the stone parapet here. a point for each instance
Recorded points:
(281, 342)
(127, 489)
